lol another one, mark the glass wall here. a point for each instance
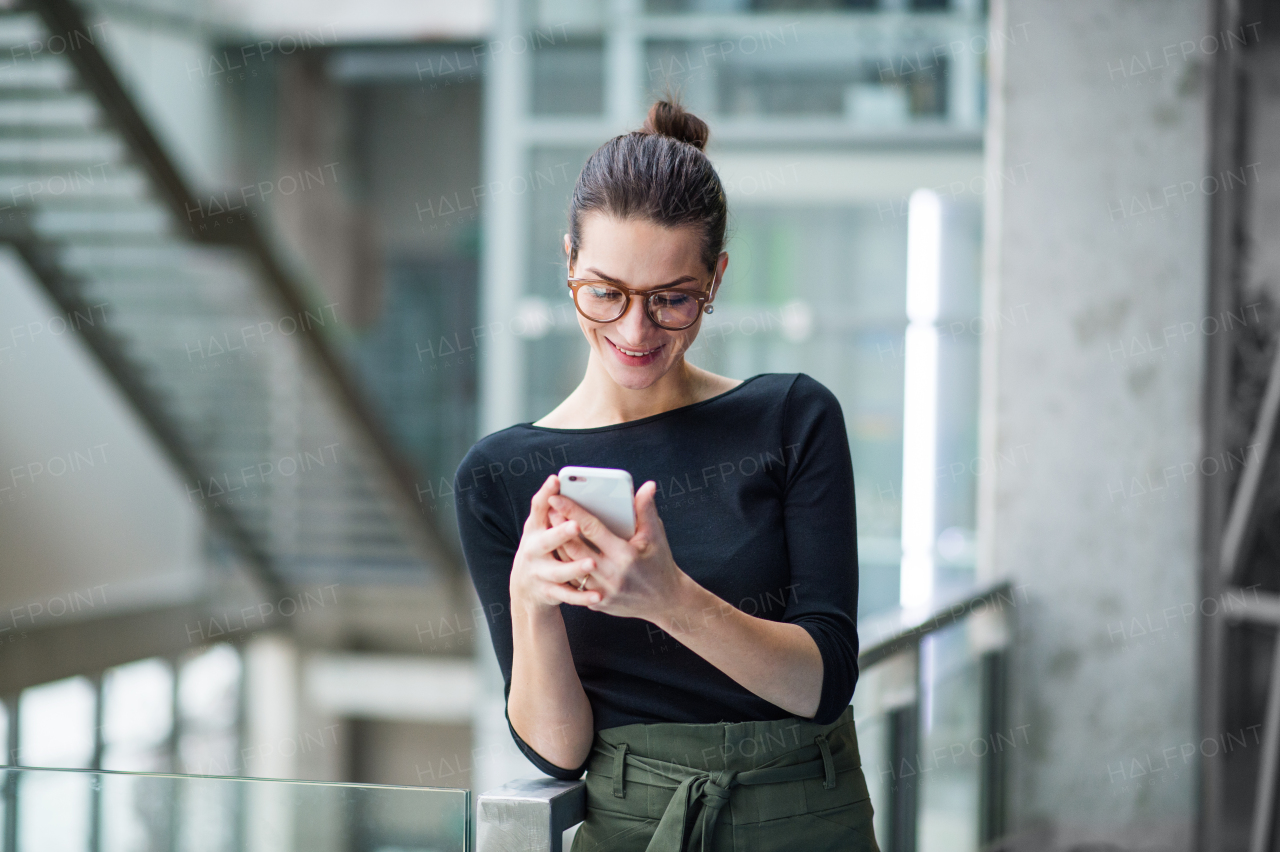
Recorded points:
(209, 713)
(137, 711)
(57, 723)
(138, 717)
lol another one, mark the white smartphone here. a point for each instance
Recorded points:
(605, 492)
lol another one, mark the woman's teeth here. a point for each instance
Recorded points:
(635, 353)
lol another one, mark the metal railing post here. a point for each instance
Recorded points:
(991, 793)
(11, 775)
(904, 800)
(529, 815)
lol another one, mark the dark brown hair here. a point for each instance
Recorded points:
(658, 173)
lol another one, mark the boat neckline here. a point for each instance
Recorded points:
(650, 418)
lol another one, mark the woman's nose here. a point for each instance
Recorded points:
(635, 322)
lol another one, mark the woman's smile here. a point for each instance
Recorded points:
(635, 356)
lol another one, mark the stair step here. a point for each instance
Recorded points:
(73, 110)
(63, 224)
(93, 259)
(97, 184)
(55, 192)
(101, 149)
(49, 201)
(19, 27)
(49, 73)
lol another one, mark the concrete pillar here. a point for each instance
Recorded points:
(270, 742)
(1096, 246)
(271, 717)
(504, 252)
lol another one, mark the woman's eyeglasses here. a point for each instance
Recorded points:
(604, 301)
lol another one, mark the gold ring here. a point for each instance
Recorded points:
(582, 583)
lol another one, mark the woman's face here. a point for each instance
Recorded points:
(642, 255)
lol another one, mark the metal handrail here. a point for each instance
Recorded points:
(532, 814)
(903, 629)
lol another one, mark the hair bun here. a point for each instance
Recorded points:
(667, 118)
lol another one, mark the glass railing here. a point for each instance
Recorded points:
(932, 727)
(932, 733)
(69, 810)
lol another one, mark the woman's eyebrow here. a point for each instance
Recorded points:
(682, 280)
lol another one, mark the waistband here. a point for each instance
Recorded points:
(703, 763)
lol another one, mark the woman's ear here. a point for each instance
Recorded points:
(722, 263)
(568, 256)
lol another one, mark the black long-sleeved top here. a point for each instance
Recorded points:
(755, 491)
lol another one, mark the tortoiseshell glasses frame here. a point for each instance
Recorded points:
(650, 298)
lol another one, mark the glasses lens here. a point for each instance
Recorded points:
(600, 302)
(673, 309)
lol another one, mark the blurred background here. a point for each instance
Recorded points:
(267, 270)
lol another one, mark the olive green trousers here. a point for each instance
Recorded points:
(727, 787)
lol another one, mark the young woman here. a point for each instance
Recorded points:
(700, 673)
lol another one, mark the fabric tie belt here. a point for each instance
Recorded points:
(688, 824)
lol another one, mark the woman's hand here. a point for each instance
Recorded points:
(538, 578)
(636, 578)
(777, 661)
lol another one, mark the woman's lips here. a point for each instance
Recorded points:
(647, 356)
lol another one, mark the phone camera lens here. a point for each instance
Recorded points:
(573, 479)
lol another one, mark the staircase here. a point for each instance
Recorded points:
(229, 360)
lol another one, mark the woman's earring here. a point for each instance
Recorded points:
(708, 309)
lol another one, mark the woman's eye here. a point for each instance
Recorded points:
(671, 300)
(602, 293)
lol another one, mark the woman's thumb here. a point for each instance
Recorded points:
(647, 517)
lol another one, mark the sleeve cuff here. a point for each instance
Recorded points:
(541, 762)
(837, 687)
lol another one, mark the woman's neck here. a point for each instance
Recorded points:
(600, 401)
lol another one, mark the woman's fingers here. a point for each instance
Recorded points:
(548, 540)
(565, 594)
(539, 507)
(576, 548)
(592, 529)
(556, 519)
(565, 572)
